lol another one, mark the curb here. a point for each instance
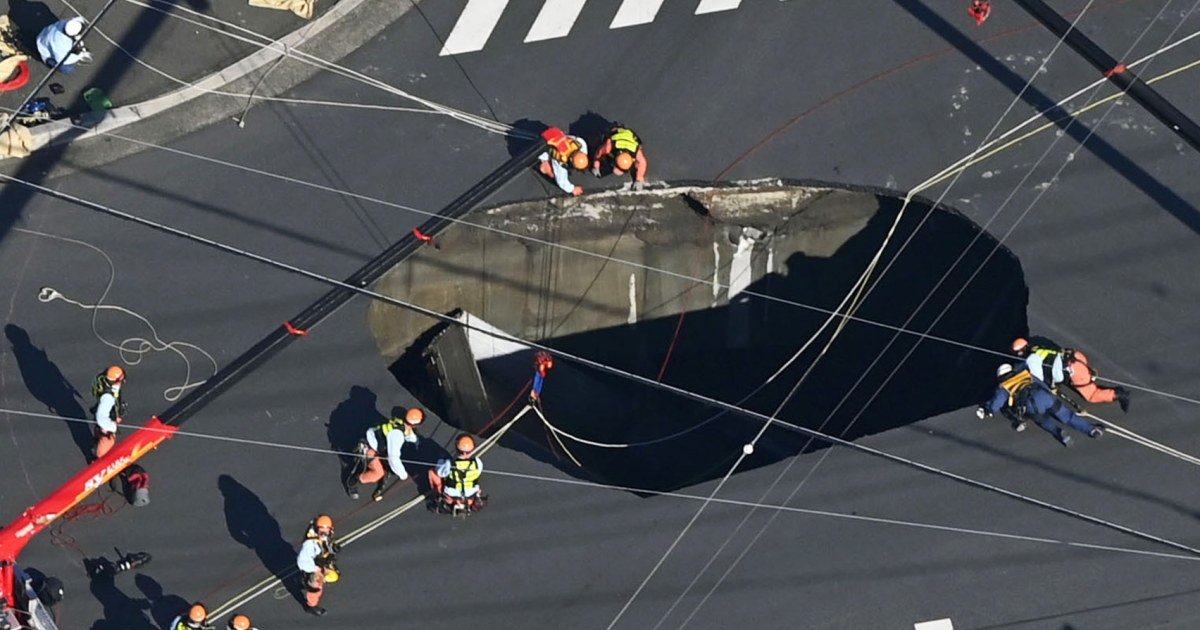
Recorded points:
(67, 131)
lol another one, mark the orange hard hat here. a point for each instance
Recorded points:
(239, 622)
(197, 613)
(324, 521)
(624, 161)
(414, 416)
(114, 374)
(1020, 344)
(465, 443)
(579, 160)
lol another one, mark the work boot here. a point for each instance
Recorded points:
(1123, 399)
(1064, 439)
(315, 611)
(377, 494)
(353, 492)
(1096, 431)
(1018, 426)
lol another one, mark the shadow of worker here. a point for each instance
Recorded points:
(30, 18)
(348, 424)
(121, 612)
(163, 607)
(46, 382)
(251, 524)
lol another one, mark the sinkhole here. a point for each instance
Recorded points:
(709, 288)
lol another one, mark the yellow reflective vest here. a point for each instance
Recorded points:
(625, 140)
(464, 473)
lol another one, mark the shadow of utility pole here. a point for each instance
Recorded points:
(14, 196)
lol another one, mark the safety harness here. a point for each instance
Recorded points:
(463, 475)
(562, 146)
(1016, 384)
(102, 386)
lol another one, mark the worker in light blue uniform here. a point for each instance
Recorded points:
(62, 41)
(1031, 398)
(387, 439)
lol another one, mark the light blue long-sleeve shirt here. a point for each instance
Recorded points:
(53, 44)
(562, 176)
(1037, 368)
(395, 444)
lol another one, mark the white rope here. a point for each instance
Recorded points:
(131, 349)
(1115, 429)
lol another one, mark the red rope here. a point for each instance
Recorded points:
(84, 512)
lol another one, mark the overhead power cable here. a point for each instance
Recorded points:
(601, 367)
(492, 470)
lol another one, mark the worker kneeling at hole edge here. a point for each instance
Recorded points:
(387, 439)
(563, 151)
(1027, 397)
(455, 482)
(317, 557)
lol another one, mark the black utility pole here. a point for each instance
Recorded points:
(1116, 72)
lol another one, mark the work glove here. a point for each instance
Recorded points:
(982, 413)
(639, 185)
(596, 171)
(335, 547)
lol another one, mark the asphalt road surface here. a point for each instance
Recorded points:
(884, 94)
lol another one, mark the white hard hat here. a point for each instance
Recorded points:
(74, 26)
(1005, 368)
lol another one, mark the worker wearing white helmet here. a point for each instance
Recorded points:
(61, 42)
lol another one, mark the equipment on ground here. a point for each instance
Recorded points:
(103, 568)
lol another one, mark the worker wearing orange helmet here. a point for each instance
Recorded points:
(387, 439)
(457, 479)
(240, 622)
(196, 618)
(1053, 365)
(109, 408)
(562, 152)
(316, 559)
(624, 148)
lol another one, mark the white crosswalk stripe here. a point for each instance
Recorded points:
(712, 6)
(474, 26)
(634, 12)
(555, 20)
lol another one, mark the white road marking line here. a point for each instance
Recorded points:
(634, 12)
(555, 20)
(712, 6)
(474, 26)
(936, 624)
